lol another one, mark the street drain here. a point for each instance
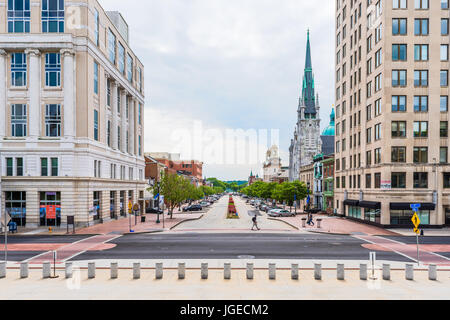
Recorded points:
(246, 257)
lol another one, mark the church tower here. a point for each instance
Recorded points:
(306, 143)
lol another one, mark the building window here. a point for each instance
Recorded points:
(15, 207)
(399, 154)
(54, 167)
(368, 181)
(53, 16)
(378, 156)
(443, 155)
(108, 92)
(127, 143)
(399, 52)
(444, 4)
(378, 132)
(19, 120)
(378, 33)
(399, 4)
(398, 180)
(53, 70)
(19, 16)
(446, 180)
(421, 78)
(19, 167)
(121, 53)
(398, 78)
(444, 104)
(44, 167)
(420, 129)
(95, 77)
(139, 79)
(140, 146)
(421, 27)
(421, 52)
(444, 78)
(421, 4)
(50, 208)
(97, 27)
(444, 129)
(369, 158)
(444, 27)
(9, 167)
(112, 46)
(398, 129)
(444, 52)
(378, 58)
(377, 180)
(95, 125)
(130, 68)
(108, 133)
(378, 83)
(420, 180)
(398, 103)
(140, 114)
(53, 120)
(118, 137)
(377, 107)
(420, 154)
(399, 26)
(420, 103)
(18, 69)
(118, 100)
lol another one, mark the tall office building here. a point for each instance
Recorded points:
(392, 64)
(71, 113)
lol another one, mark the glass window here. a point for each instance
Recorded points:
(108, 92)
(398, 78)
(398, 180)
(444, 52)
(444, 27)
(130, 68)
(9, 167)
(444, 129)
(140, 146)
(19, 16)
(443, 155)
(421, 78)
(398, 103)
(118, 137)
(121, 53)
(50, 208)
(399, 129)
(444, 104)
(399, 26)
(97, 27)
(398, 154)
(420, 103)
(112, 46)
(421, 27)
(399, 52)
(54, 167)
(19, 120)
(108, 133)
(446, 180)
(53, 120)
(377, 180)
(139, 114)
(18, 69)
(378, 156)
(444, 4)
(95, 77)
(15, 205)
(96, 125)
(53, 70)
(53, 16)
(19, 167)
(444, 78)
(399, 4)
(420, 180)
(420, 154)
(421, 52)
(44, 167)
(421, 129)
(421, 4)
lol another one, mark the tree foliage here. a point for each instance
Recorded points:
(286, 191)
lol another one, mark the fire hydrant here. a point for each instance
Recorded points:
(49, 229)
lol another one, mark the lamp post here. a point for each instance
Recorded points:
(157, 219)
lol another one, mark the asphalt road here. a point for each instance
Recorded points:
(232, 246)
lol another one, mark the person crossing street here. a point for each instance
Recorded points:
(255, 224)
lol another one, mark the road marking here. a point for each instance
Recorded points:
(357, 237)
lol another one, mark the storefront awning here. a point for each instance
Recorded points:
(349, 202)
(370, 204)
(407, 206)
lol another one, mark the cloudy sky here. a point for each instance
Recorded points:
(216, 69)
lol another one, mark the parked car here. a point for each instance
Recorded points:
(153, 210)
(194, 207)
(280, 213)
(205, 204)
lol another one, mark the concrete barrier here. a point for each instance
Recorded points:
(69, 270)
(2, 270)
(24, 270)
(340, 272)
(181, 271)
(227, 271)
(136, 270)
(250, 271)
(114, 269)
(386, 272)
(432, 272)
(294, 271)
(272, 271)
(363, 271)
(91, 270)
(318, 271)
(46, 270)
(204, 271)
(159, 271)
(409, 272)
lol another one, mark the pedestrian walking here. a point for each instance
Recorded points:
(310, 219)
(255, 224)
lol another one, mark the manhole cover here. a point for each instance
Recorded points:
(246, 257)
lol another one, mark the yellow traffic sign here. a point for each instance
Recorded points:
(415, 220)
(416, 230)
(130, 206)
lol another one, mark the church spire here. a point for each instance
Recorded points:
(308, 99)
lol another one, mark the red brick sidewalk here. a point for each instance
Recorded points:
(337, 226)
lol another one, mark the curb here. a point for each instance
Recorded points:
(142, 232)
(193, 219)
(275, 219)
(332, 233)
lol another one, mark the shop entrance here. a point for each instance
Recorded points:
(50, 209)
(447, 216)
(122, 203)
(112, 206)
(96, 204)
(16, 207)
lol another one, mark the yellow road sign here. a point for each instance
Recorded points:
(415, 220)
(416, 230)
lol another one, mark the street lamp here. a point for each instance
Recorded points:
(157, 219)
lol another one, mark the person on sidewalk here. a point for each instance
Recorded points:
(310, 220)
(255, 223)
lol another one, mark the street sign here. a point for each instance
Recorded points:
(415, 207)
(130, 206)
(415, 220)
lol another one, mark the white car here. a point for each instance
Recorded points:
(280, 213)
(205, 204)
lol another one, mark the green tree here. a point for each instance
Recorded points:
(173, 188)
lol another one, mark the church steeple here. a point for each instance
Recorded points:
(308, 100)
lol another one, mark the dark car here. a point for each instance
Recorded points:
(153, 210)
(194, 207)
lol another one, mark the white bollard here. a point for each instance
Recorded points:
(69, 270)
(340, 272)
(91, 270)
(136, 270)
(294, 271)
(363, 271)
(409, 272)
(2, 270)
(318, 271)
(386, 272)
(181, 271)
(204, 271)
(159, 271)
(250, 271)
(432, 272)
(24, 270)
(46, 269)
(272, 271)
(114, 269)
(227, 271)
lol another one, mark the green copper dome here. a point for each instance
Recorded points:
(330, 130)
